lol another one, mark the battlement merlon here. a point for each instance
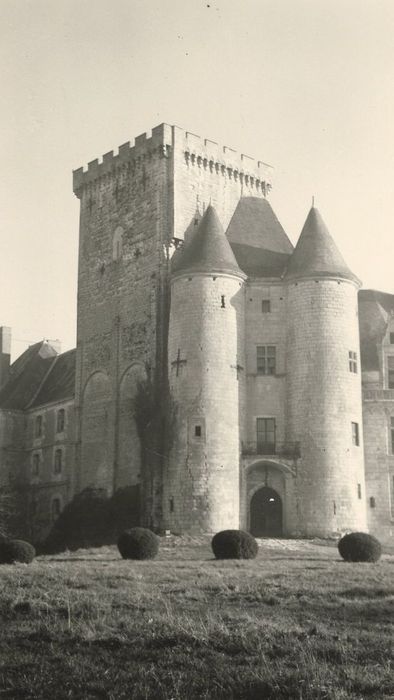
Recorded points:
(165, 138)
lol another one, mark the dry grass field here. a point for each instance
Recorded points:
(296, 623)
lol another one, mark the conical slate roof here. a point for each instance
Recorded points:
(316, 254)
(208, 250)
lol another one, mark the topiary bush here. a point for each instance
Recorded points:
(138, 543)
(16, 551)
(359, 546)
(234, 544)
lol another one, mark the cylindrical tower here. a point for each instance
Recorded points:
(205, 350)
(324, 409)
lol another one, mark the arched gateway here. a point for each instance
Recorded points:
(266, 513)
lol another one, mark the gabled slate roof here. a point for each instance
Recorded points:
(39, 376)
(316, 253)
(208, 250)
(374, 311)
(260, 244)
(60, 382)
(26, 375)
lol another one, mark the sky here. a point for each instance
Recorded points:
(305, 85)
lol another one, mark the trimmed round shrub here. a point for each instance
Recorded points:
(234, 544)
(138, 543)
(16, 551)
(359, 546)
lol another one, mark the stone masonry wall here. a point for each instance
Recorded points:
(202, 484)
(125, 229)
(323, 399)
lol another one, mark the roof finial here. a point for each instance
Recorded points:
(313, 201)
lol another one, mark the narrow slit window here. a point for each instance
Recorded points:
(391, 338)
(372, 502)
(38, 426)
(171, 505)
(390, 371)
(223, 302)
(353, 361)
(60, 421)
(359, 491)
(355, 434)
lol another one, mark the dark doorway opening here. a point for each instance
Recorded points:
(266, 513)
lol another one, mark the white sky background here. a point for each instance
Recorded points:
(305, 85)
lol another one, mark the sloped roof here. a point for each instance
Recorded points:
(374, 309)
(60, 382)
(316, 253)
(259, 242)
(208, 250)
(26, 375)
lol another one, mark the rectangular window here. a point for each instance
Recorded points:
(359, 491)
(391, 338)
(60, 421)
(266, 359)
(57, 467)
(36, 465)
(390, 371)
(197, 430)
(266, 306)
(372, 502)
(265, 433)
(352, 361)
(355, 434)
(38, 426)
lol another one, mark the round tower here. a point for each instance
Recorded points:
(205, 351)
(324, 409)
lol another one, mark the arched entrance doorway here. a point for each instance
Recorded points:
(266, 513)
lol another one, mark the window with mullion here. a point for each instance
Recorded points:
(265, 433)
(266, 359)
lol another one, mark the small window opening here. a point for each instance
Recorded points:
(355, 434)
(57, 467)
(60, 421)
(372, 502)
(352, 362)
(266, 306)
(36, 465)
(335, 507)
(38, 426)
(117, 244)
(359, 490)
(196, 222)
(197, 430)
(223, 302)
(391, 338)
(171, 505)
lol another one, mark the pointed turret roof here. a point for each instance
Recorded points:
(316, 253)
(208, 250)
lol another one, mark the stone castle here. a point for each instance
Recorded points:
(232, 380)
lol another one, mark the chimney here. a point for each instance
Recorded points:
(5, 353)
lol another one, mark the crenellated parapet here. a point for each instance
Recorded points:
(224, 161)
(129, 158)
(166, 141)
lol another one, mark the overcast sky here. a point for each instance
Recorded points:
(305, 85)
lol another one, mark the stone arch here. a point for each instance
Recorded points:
(96, 463)
(270, 474)
(129, 448)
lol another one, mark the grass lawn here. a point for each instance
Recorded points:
(297, 622)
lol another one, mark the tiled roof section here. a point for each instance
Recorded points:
(374, 310)
(316, 253)
(26, 375)
(208, 250)
(60, 382)
(258, 240)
